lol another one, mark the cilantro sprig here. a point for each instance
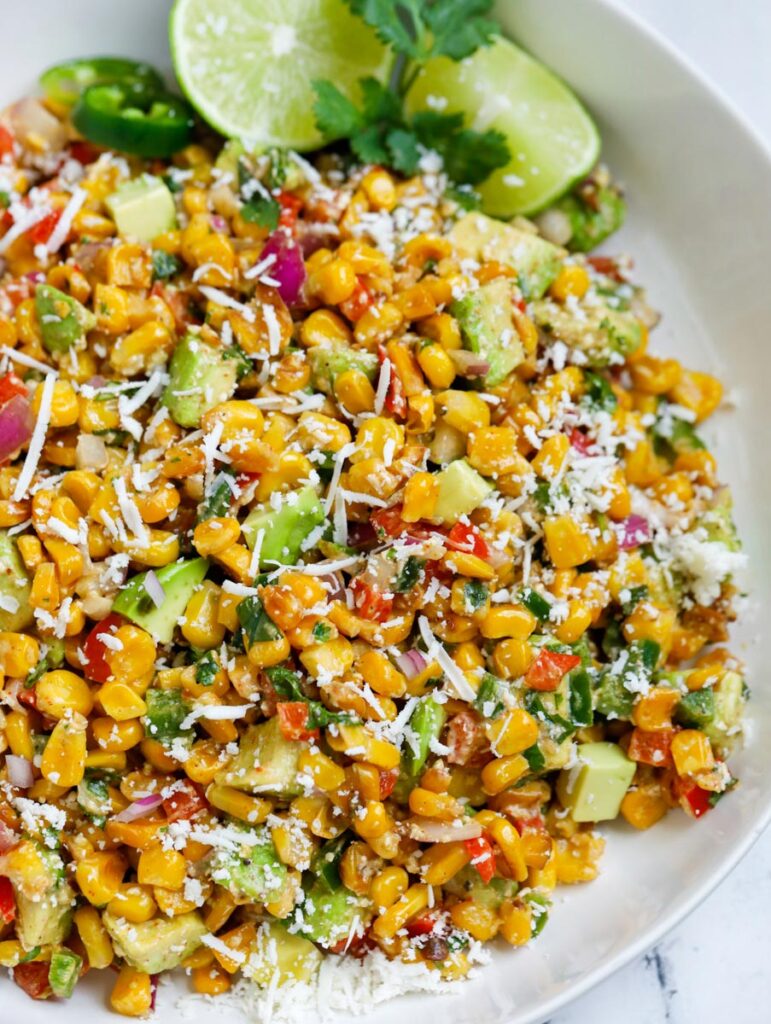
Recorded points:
(379, 131)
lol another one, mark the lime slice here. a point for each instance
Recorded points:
(552, 139)
(247, 65)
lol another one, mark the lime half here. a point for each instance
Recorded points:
(552, 139)
(247, 65)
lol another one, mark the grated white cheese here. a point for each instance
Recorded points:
(38, 438)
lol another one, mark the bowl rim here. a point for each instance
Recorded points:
(681, 909)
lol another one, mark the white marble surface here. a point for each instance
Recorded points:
(716, 966)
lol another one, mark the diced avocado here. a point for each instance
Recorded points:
(279, 951)
(14, 587)
(266, 762)
(198, 365)
(253, 871)
(284, 529)
(166, 711)
(326, 862)
(228, 157)
(63, 972)
(536, 261)
(160, 944)
(467, 884)
(179, 581)
(461, 490)
(730, 696)
(594, 788)
(63, 320)
(487, 326)
(718, 521)
(602, 334)
(328, 363)
(44, 920)
(327, 917)
(143, 208)
(591, 224)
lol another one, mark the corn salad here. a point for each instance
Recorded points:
(358, 558)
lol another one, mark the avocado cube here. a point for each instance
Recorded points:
(44, 922)
(63, 972)
(536, 261)
(63, 320)
(327, 917)
(602, 334)
(461, 490)
(487, 325)
(284, 529)
(279, 951)
(592, 224)
(730, 696)
(143, 208)
(16, 613)
(158, 945)
(594, 788)
(253, 872)
(200, 377)
(266, 762)
(327, 363)
(179, 581)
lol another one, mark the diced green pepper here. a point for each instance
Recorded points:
(63, 972)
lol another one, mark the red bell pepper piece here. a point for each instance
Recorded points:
(95, 666)
(39, 233)
(395, 400)
(547, 670)
(7, 901)
(290, 208)
(422, 925)
(293, 721)
(33, 978)
(388, 522)
(695, 800)
(653, 747)
(6, 141)
(482, 856)
(467, 538)
(84, 152)
(10, 386)
(357, 304)
(369, 600)
(185, 802)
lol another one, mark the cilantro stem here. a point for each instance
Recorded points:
(405, 86)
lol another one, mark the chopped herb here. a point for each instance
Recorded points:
(165, 265)
(599, 393)
(636, 594)
(534, 757)
(321, 631)
(409, 575)
(257, 625)
(263, 211)
(206, 669)
(489, 701)
(535, 603)
(218, 502)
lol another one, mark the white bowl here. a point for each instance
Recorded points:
(699, 187)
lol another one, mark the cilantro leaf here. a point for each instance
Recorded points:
(399, 25)
(378, 102)
(263, 211)
(458, 27)
(336, 116)
(470, 157)
(404, 151)
(369, 145)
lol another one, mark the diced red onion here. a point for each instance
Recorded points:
(411, 662)
(288, 268)
(335, 582)
(632, 532)
(314, 236)
(218, 223)
(154, 589)
(469, 364)
(16, 425)
(555, 227)
(96, 382)
(20, 772)
(35, 276)
(428, 830)
(140, 808)
(153, 991)
(8, 838)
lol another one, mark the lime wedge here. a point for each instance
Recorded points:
(552, 139)
(247, 65)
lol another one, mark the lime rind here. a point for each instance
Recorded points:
(247, 66)
(553, 141)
